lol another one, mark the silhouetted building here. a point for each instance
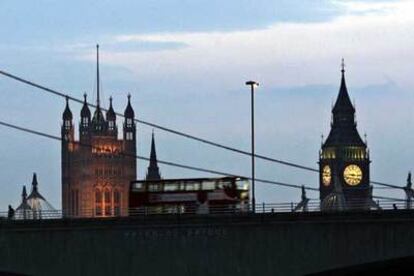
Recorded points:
(24, 211)
(40, 206)
(344, 159)
(97, 169)
(34, 206)
(153, 172)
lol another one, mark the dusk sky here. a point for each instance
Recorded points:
(185, 64)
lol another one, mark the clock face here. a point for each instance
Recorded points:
(326, 175)
(353, 175)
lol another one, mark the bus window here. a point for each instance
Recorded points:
(209, 185)
(171, 187)
(153, 187)
(221, 184)
(138, 186)
(192, 186)
(189, 187)
(242, 185)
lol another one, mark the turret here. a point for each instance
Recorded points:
(34, 183)
(68, 140)
(67, 126)
(85, 124)
(24, 195)
(24, 211)
(98, 122)
(111, 120)
(129, 128)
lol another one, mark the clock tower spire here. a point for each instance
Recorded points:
(344, 158)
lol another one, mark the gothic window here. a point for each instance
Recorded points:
(76, 202)
(129, 136)
(111, 125)
(98, 203)
(129, 122)
(117, 203)
(67, 124)
(108, 203)
(85, 121)
(72, 202)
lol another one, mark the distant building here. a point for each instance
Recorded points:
(97, 168)
(24, 210)
(344, 159)
(153, 172)
(34, 206)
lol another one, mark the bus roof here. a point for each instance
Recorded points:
(191, 179)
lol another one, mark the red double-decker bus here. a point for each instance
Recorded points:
(189, 196)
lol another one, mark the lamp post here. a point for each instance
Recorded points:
(252, 85)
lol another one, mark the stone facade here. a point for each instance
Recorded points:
(97, 169)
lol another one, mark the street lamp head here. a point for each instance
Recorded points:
(252, 83)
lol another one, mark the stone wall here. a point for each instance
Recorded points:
(271, 244)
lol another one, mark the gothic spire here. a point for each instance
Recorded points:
(97, 76)
(153, 170)
(24, 195)
(34, 183)
(343, 103)
(35, 191)
(85, 112)
(110, 114)
(343, 130)
(129, 111)
(67, 114)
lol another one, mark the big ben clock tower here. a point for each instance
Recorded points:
(344, 159)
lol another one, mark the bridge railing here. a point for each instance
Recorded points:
(286, 207)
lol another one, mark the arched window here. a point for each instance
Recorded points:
(129, 122)
(108, 203)
(117, 203)
(76, 202)
(85, 121)
(72, 202)
(111, 125)
(98, 203)
(67, 124)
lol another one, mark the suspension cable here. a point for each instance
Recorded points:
(179, 133)
(183, 166)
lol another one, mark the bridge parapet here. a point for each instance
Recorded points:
(220, 244)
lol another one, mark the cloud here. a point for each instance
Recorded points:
(358, 7)
(119, 45)
(377, 47)
(54, 21)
